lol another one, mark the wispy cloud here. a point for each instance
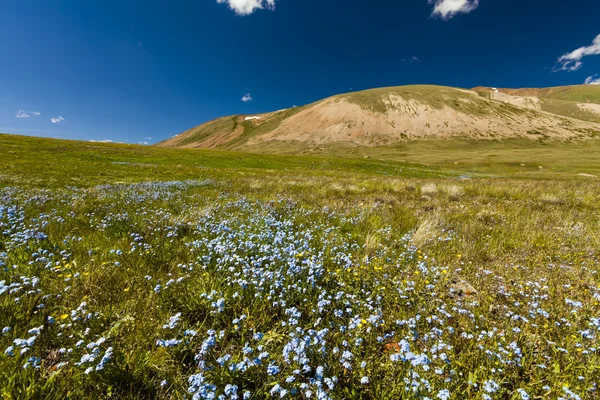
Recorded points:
(572, 61)
(592, 80)
(27, 114)
(101, 141)
(247, 97)
(410, 59)
(446, 9)
(247, 7)
(56, 120)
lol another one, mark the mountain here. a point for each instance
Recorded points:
(580, 102)
(385, 116)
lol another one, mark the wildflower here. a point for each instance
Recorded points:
(443, 394)
(105, 359)
(491, 386)
(523, 393)
(364, 380)
(572, 395)
(231, 390)
(272, 369)
(10, 351)
(173, 322)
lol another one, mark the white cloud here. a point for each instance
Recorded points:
(144, 143)
(27, 114)
(446, 9)
(247, 97)
(101, 141)
(572, 61)
(592, 80)
(247, 7)
(56, 120)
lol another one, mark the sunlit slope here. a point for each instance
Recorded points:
(387, 116)
(581, 101)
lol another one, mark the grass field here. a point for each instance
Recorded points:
(440, 270)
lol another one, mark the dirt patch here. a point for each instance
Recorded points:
(591, 107)
(530, 102)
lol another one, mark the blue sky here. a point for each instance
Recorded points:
(142, 71)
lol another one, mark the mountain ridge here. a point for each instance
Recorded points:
(385, 116)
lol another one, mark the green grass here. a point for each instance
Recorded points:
(493, 278)
(579, 94)
(51, 163)
(569, 109)
(512, 158)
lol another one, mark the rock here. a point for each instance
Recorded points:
(460, 288)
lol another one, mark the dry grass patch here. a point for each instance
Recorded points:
(428, 231)
(372, 242)
(429, 189)
(455, 192)
(550, 198)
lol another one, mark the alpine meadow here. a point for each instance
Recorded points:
(136, 272)
(295, 200)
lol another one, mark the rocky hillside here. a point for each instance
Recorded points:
(385, 116)
(580, 102)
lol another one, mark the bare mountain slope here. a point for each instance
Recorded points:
(386, 116)
(579, 101)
